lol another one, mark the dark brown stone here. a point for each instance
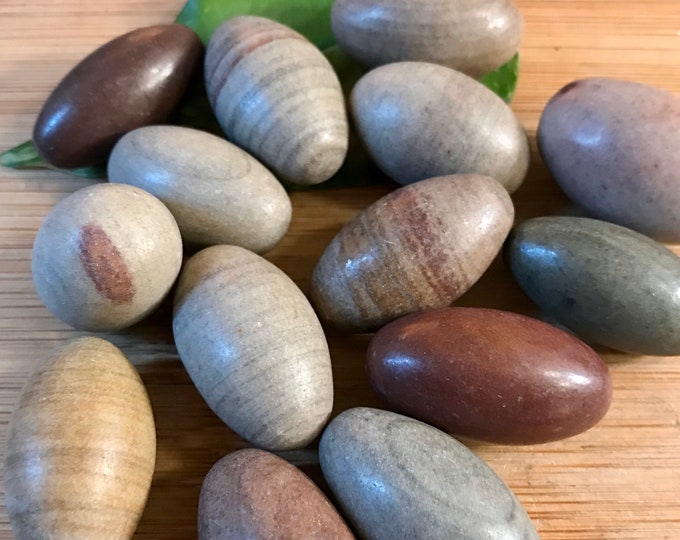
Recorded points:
(257, 495)
(489, 374)
(134, 80)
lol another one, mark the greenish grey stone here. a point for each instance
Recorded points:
(398, 478)
(609, 284)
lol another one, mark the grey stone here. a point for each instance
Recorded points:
(609, 284)
(398, 478)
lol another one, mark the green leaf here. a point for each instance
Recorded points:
(25, 156)
(309, 17)
(503, 81)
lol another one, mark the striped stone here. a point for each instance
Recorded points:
(276, 96)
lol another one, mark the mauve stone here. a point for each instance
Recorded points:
(612, 146)
(132, 81)
(608, 284)
(397, 478)
(488, 374)
(256, 495)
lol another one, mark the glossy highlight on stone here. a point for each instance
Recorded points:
(134, 80)
(612, 146)
(81, 446)
(217, 193)
(256, 495)
(609, 284)
(472, 36)
(420, 120)
(106, 256)
(276, 96)
(396, 477)
(489, 374)
(253, 347)
(419, 247)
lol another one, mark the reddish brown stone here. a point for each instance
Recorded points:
(491, 375)
(257, 495)
(105, 265)
(132, 81)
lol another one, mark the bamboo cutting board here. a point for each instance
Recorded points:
(619, 480)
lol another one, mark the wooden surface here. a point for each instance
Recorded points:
(620, 480)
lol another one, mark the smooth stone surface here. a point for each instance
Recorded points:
(420, 120)
(106, 256)
(419, 247)
(397, 478)
(608, 284)
(217, 193)
(256, 495)
(134, 80)
(488, 374)
(275, 95)
(253, 347)
(472, 36)
(612, 146)
(81, 447)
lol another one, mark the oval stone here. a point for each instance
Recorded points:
(395, 477)
(81, 446)
(608, 284)
(217, 193)
(419, 247)
(253, 347)
(420, 120)
(472, 36)
(276, 95)
(134, 80)
(488, 374)
(612, 146)
(105, 257)
(256, 495)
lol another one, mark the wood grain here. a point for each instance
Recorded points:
(620, 480)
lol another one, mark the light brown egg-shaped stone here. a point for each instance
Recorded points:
(253, 347)
(106, 256)
(613, 147)
(472, 36)
(275, 95)
(257, 495)
(419, 247)
(217, 193)
(81, 447)
(420, 120)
